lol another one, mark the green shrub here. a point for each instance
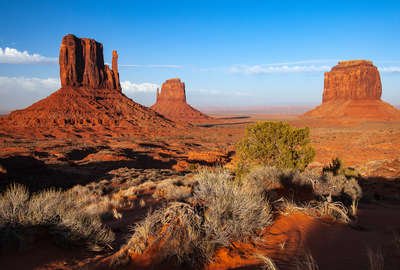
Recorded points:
(337, 167)
(275, 144)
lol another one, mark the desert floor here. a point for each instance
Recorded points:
(371, 148)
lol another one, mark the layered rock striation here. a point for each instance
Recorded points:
(171, 102)
(352, 80)
(89, 102)
(352, 91)
(82, 64)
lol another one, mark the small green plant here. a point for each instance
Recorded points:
(275, 144)
(337, 167)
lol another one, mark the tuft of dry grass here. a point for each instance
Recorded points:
(222, 211)
(306, 262)
(59, 211)
(375, 258)
(267, 262)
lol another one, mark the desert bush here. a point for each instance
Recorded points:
(337, 167)
(59, 211)
(275, 144)
(330, 185)
(221, 211)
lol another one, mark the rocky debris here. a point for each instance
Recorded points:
(89, 102)
(353, 90)
(171, 102)
(82, 64)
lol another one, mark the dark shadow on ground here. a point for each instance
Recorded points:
(38, 175)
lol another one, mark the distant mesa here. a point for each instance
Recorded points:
(89, 102)
(171, 102)
(353, 90)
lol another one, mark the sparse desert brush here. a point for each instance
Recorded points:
(58, 211)
(306, 262)
(339, 186)
(337, 167)
(222, 211)
(274, 144)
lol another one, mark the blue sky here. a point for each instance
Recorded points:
(229, 53)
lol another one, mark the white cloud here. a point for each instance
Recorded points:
(11, 84)
(130, 87)
(20, 92)
(275, 68)
(13, 56)
(389, 69)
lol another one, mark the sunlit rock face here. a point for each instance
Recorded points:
(352, 93)
(82, 64)
(171, 103)
(89, 102)
(352, 80)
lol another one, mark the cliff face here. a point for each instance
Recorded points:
(352, 93)
(352, 80)
(82, 65)
(171, 103)
(172, 91)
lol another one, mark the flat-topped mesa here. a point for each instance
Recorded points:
(172, 90)
(82, 65)
(352, 80)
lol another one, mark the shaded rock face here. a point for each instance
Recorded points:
(171, 103)
(82, 64)
(352, 80)
(352, 93)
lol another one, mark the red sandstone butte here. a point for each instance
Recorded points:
(171, 103)
(353, 90)
(89, 102)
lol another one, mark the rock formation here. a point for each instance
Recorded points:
(89, 102)
(352, 91)
(82, 64)
(352, 80)
(171, 102)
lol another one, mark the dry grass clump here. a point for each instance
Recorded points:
(221, 211)
(334, 190)
(306, 262)
(173, 190)
(375, 258)
(60, 212)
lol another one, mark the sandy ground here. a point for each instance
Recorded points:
(372, 148)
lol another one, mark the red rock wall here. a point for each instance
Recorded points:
(172, 90)
(82, 65)
(352, 80)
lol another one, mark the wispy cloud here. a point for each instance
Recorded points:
(393, 69)
(207, 92)
(13, 56)
(276, 68)
(151, 66)
(130, 87)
